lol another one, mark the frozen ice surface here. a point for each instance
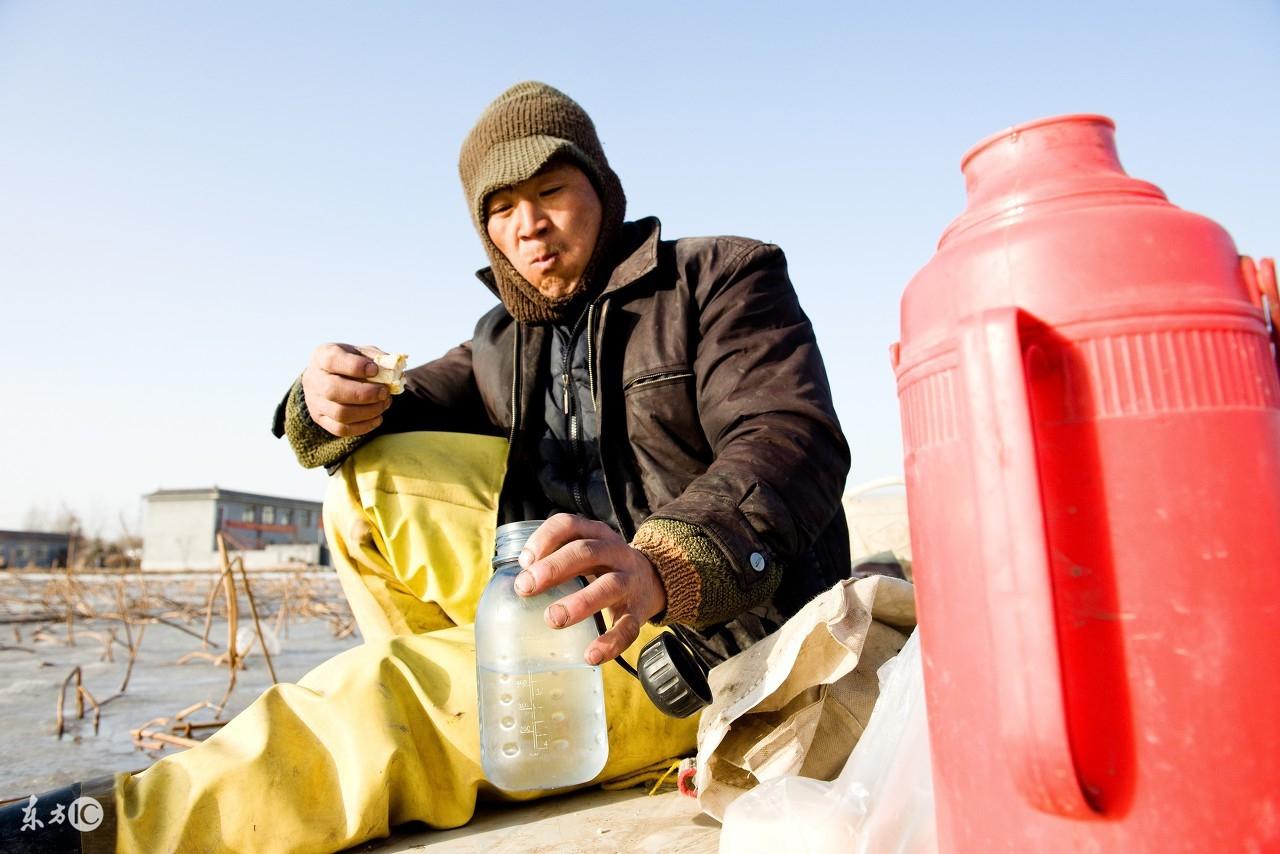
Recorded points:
(34, 664)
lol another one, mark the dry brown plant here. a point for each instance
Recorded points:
(158, 733)
(66, 606)
(233, 657)
(82, 694)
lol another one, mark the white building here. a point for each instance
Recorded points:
(180, 529)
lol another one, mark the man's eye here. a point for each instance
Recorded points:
(551, 191)
(498, 210)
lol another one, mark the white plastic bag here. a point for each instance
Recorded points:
(796, 702)
(882, 802)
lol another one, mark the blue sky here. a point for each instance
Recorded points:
(194, 195)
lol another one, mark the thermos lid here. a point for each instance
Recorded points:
(510, 539)
(672, 678)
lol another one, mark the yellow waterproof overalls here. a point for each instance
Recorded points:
(386, 732)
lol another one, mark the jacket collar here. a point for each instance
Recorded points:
(639, 241)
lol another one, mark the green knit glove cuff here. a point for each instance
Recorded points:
(702, 587)
(314, 445)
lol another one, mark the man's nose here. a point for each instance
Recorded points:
(530, 218)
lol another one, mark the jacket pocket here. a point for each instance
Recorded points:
(664, 431)
(654, 378)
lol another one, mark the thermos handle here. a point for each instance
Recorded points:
(1025, 659)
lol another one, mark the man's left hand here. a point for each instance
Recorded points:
(566, 546)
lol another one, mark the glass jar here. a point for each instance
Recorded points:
(542, 721)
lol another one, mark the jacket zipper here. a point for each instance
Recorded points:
(515, 387)
(573, 421)
(591, 364)
(659, 377)
(600, 431)
(566, 362)
(569, 400)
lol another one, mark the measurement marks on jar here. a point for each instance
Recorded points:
(531, 706)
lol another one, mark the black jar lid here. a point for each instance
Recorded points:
(672, 678)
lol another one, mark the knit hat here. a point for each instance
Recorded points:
(525, 128)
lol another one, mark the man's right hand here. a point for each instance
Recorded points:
(339, 397)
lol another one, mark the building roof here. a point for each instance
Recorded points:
(215, 493)
(37, 536)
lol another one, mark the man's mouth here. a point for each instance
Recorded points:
(545, 260)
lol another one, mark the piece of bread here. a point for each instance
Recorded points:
(390, 368)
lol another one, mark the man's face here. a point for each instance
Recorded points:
(547, 227)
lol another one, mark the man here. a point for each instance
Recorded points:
(662, 403)
(668, 398)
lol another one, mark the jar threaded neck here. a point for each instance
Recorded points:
(510, 538)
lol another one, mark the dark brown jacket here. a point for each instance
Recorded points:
(715, 421)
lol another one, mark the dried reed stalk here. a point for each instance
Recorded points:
(107, 644)
(71, 613)
(175, 740)
(187, 726)
(213, 592)
(153, 735)
(97, 710)
(257, 626)
(137, 731)
(82, 694)
(233, 619)
(171, 624)
(193, 708)
(134, 646)
(282, 614)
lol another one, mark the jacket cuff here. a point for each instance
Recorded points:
(313, 445)
(701, 586)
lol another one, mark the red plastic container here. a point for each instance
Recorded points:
(1091, 420)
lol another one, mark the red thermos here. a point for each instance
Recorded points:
(1091, 421)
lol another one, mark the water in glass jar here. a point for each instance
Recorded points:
(536, 730)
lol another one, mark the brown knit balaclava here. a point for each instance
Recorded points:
(517, 135)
